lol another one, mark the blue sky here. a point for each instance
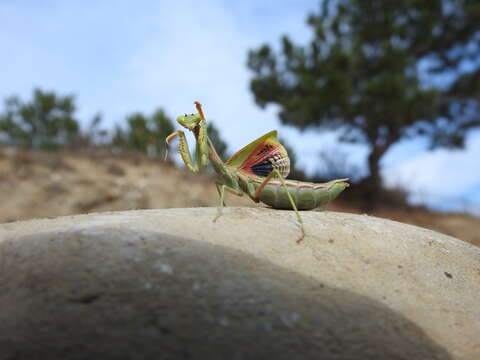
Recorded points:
(118, 57)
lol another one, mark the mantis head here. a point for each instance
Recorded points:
(192, 122)
(189, 122)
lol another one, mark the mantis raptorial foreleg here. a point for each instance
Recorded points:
(184, 150)
(221, 191)
(276, 173)
(202, 150)
(197, 124)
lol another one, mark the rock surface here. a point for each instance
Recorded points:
(171, 284)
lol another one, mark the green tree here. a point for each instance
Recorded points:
(139, 134)
(161, 126)
(144, 133)
(455, 52)
(94, 134)
(362, 73)
(45, 122)
(119, 138)
(219, 144)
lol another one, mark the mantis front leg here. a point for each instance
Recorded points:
(202, 152)
(259, 190)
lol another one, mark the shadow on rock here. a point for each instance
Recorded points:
(111, 293)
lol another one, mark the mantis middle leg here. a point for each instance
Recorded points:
(221, 191)
(276, 173)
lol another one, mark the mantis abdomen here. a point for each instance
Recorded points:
(305, 195)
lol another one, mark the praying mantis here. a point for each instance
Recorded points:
(258, 170)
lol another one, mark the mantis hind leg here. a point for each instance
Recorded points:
(257, 193)
(294, 206)
(221, 191)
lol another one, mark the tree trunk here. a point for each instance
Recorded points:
(374, 167)
(373, 183)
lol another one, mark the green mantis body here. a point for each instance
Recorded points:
(258, 170)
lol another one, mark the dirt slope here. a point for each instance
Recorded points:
(37, 184)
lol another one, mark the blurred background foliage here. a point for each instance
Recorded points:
(142, 133)
(45, 122)
(361, 74)
(48, 122)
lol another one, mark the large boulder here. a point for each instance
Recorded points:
(172, 284)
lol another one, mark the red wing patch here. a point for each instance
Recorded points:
(265, 158)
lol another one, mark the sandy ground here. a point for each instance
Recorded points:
(39, 185)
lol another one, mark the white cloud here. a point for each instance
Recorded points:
(440, 175)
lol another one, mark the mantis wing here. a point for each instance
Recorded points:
(261, 156)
